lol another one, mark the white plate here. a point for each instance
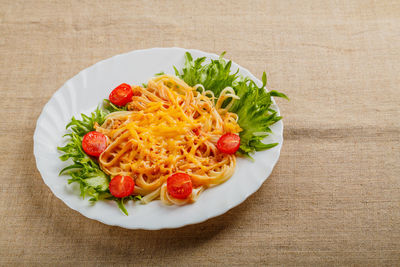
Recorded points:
(85, 91)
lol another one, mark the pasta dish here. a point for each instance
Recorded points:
(169, 128)
(172, 138)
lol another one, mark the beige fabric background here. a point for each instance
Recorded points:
(334, 196)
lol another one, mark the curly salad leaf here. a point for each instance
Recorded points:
(84, 169)
(110, 107)
(254, 106)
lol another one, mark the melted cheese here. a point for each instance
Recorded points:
(170, 128)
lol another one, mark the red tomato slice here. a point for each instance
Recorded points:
(94, 143)
(121, 95)
(196, 131)
(121, 186)
(179, 185)
(229, 143)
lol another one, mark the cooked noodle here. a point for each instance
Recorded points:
(170, 127)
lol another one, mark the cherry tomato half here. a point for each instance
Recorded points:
(94, 143)
(229, 143)
(121, 95)
(121, 186)
(196, 131)
(179, 185)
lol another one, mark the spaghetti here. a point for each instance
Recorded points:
(169, 128)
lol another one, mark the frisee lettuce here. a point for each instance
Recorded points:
(86, 124)
(121, 201)
(254, 106)
(84, 169)
(110, 107)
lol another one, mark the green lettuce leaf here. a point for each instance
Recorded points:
(85, 170)
(110, 107)
(254, 106)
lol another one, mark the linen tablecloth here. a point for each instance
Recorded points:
(332, 199)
